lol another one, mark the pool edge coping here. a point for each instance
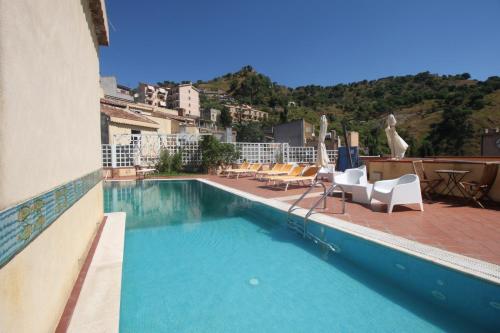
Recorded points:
(458, 262)
(107, 261)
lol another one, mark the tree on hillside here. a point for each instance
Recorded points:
(375, 141)
(249, 132)
(225, 117)
(450, 136)
(284, 115)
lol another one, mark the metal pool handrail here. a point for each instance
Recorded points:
(323, 198)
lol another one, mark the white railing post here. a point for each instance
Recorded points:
(258, 153)
(113, 156)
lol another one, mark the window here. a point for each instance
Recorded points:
(135, 139)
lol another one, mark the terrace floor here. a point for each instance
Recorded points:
(448, 225)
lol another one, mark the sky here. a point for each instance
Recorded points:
(300, 42)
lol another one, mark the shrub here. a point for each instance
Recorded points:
(169, 163)
(177, 162)
(215, 153)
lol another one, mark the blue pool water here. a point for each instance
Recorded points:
(198, 259)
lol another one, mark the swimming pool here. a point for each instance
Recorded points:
(199, 259)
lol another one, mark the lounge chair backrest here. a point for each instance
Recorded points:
(244, 165)
(277, 167)
(286, 167)
(311, 171)
(357, 175)
(489, 174)
(407, 179)
(255, 167)
(354, 176)
(418, 167)
(297, 171)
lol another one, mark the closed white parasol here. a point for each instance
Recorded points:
(396, 143)
(322, 157)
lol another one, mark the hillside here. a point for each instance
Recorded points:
(436, 114)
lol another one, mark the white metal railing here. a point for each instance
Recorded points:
(131, 149)
(261, 152)
(301, 154)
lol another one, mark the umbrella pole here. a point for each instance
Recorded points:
(344, 127)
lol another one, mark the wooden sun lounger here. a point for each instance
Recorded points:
(142, 172)
(309, 175)
(285, 170)
(244, 166)
(276, 167)
(297, 171)
(253, 169)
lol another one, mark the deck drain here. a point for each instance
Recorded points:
(253, 281)
(438, 295)
(495, 305)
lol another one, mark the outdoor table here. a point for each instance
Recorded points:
(454, 178)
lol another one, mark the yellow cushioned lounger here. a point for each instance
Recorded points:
(276, 168)
(297, 171)
(251, 170)
(308, 175)
(285, 170)
(244, 166)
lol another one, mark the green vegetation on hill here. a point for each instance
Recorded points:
(436, 114)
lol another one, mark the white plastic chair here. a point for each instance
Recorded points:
(355, 176)
(400, 191)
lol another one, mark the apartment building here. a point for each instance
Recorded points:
(186, 98)
(209, 118)
(152, 95)
(246, 113)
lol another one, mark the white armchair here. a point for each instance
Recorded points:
(355, 176)
(403, 190)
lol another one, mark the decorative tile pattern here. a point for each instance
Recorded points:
(20, 224)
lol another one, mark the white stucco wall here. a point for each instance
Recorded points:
(49, 135)
(49, 96)
(35, 285)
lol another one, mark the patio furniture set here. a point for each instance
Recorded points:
(474, 191)
(407, 189)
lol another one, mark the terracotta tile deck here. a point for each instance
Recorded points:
(470, 231)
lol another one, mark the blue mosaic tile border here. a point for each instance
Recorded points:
(20, 224)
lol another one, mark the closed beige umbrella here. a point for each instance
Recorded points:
(322, 159)
(397, 145)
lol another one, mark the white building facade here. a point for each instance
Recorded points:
(187, 98)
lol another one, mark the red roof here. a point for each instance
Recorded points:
(117, 112)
